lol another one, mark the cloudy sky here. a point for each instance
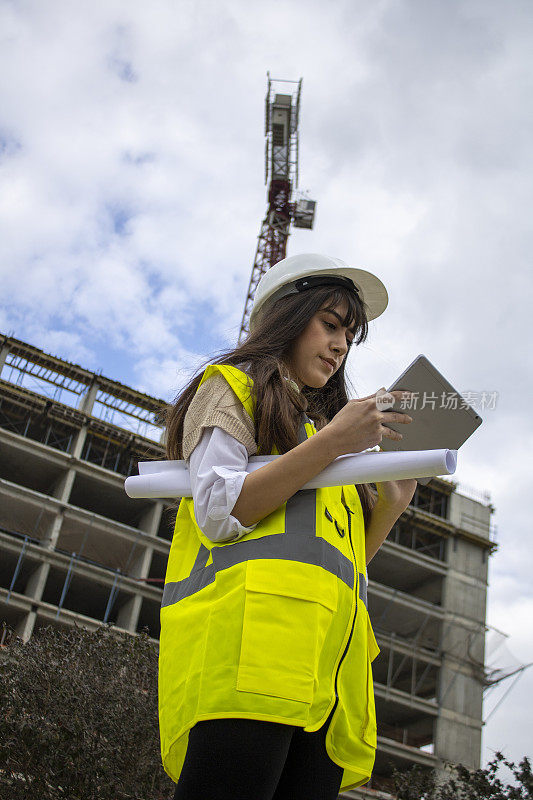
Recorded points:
(131, 195)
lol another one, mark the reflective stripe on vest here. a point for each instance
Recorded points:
(363, 585)
(310, 551)
(307, 549)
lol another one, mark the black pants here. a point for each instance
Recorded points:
(246, 759)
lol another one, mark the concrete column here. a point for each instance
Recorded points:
(79, 441)
(128, 615)
(149, 523)
(25, 627)
(64, 484)
(86, 402)
(458, 728)
(4, 352)
(140, 566)
(151, 519)
(55, 530)
(62, 491)
(34, 589)
(35, 585)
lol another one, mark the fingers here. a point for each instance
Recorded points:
(401, 394)
(390, 434)
(386, 399)
(391, 416)
(396, 416)
(391, 397)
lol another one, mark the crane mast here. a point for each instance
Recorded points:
(281, 169)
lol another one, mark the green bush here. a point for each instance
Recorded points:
(78, 717)
(461, 783)
(78, 720)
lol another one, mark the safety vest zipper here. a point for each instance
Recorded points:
(356, 593)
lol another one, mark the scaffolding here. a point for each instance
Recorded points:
(74, 548)
(27, 367)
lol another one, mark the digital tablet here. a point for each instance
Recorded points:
(441, 416)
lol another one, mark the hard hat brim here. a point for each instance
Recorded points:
(371, 289)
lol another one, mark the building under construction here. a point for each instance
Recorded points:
(75, 549)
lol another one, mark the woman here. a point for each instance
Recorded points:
(265, 687)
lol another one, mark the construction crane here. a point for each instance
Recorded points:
(281, 168)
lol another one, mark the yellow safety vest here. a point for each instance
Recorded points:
(273, 626)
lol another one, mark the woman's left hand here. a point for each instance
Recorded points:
(397, 494)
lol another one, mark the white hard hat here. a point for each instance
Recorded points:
(288, 277)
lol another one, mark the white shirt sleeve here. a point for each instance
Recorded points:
(217, 467)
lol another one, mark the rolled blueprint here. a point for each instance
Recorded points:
(171, 478)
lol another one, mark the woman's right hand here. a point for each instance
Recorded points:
(357, 426)
(361, 424)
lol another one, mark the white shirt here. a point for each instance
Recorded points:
(217, 467)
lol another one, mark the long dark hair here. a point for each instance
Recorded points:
(278, 405)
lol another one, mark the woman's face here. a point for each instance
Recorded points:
(320, 349)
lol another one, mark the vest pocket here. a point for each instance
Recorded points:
(287, 612)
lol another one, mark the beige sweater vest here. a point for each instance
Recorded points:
(216, 405)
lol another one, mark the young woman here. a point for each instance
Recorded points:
(265, 682)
